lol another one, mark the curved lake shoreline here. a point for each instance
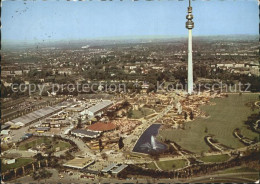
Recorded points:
(142, 145)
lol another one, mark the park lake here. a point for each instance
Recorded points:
(147, 141)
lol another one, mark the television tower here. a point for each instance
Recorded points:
(190, 26)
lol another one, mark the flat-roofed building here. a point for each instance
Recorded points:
(42, 129)
(5, 126)
(119, 169)
(85, 133)
(99, 108)
(45, 124)
(109, 168)
(5, 132)
(79, 163)
(37, 115)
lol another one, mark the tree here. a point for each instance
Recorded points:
(171, 149)
(206, 130)
(100, 145)
(104, 155)
(27, 146)
(79, 125)
(130, 113)
(120, 143)
(191, 115)
(185, 115)
(202, 153)
(255, 139)
(41, 174)
(155, 155)
(39, 156)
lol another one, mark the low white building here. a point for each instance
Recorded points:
(9, 161)
(5, 132)
(98, 109)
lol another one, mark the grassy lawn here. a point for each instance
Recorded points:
(168, 165)
(238, 170)
(18, 163)
(142, 112)
(63, 145)
(171, 164)
(35, 141)
(215, 158)
(242, 169)
(151, 166)
(228, 113)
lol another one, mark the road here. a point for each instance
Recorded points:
(75, 178)
(22, 153)
(84, 149)
(231, 177)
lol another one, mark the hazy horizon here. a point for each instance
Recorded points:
(47, 21)
(121, 39)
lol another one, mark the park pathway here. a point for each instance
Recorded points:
(155, 163)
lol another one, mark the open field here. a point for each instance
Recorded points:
(36, 141)
(215, 158)
(151, 166)
(228, 113)
(18, 163)
(168, 165)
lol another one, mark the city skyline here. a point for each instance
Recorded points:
(130, 91)
(23, 21)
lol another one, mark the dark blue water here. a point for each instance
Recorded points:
(143, 145)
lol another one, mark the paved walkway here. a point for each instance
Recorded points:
(155, 163)
(22, 153)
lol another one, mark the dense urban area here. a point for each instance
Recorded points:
(118, 110)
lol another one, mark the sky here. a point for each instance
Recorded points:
(33, 21)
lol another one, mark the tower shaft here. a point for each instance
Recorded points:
(189, 26)
(190, 64)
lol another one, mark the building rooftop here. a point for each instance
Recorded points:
(100, 126)
(100, 106)
(119, 169)
(79, 163)
(5, 132)
(42, 128)
(30, 117)
(109, 167)
(85, 132)
(5, 126)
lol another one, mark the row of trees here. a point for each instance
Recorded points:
(190, 114)
(193, 170)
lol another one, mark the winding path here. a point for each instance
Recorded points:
(155, 163)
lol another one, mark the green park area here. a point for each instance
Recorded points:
(168, 165)
(242, 169)
(238, 169)
(215, 158)
(228, 113)
(49, 142)
(18, 163)
(140, 113)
